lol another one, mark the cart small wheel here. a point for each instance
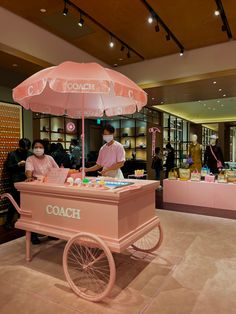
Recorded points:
(150, 241)
(89, 266)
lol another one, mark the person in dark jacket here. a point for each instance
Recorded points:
(170, 160)
(15, 165)
(157, 163)
(61, 157)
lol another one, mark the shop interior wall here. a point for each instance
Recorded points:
(6, 96)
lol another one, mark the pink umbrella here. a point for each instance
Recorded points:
(80, 90)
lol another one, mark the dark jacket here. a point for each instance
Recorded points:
(210, 160)
(17, 173)
(170, 160)
(62, 158)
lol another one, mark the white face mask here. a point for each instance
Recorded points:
(38, 151)
(107, 138)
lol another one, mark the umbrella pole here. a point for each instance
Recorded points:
(82, 137)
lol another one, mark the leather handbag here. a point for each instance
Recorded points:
(218, 162)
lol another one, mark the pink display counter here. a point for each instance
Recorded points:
(95, 222)
(212, 198)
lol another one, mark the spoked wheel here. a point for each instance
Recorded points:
(89, 266)
(150, 241)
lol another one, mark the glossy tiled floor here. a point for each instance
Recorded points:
(193, 272)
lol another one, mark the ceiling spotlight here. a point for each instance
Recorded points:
(150, 19)
(157, 28)
(214, 82)
(217, 12)
(181, 52)
(43, 10)
(15, 65)
(65, 10)
(115, 64)
(111, 43)
(222, 105)
(128, 54)
(224, 95)
(81, 21)
(220, 89)
(218, 101)
(168, 36)
(204, 105)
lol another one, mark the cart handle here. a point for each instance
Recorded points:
(11, 199)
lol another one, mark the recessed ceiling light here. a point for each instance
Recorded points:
(115, 64)
(43, 10)
(121, 59)
(204, 105)
(218, 100)
(217, 12)
(214, 82)
(214, 109)
(224, 95)
(162, 102)
(220, 89)
(150, 20)
(153, 98)
(15, 65)
(199, 100)
(222, 105)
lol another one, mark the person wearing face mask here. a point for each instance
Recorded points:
(38, 165)
(15, 165)
(111, 156)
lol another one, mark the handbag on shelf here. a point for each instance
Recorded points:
(184, 174)
(218, 162)
(190, 160)
(231, 176)
(172, 174)
(204, 171)
(195, 176)
(210, 178)
(222, 178)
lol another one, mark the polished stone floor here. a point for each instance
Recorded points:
(194, 272)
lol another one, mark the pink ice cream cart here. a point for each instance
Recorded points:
(95, 221)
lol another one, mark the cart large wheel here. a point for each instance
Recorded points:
(150, 241)
(89, 266)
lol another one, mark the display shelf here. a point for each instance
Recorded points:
(55, 129)
(176, 132)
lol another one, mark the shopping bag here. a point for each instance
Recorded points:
(172, 175)
(210, 178)
(184, 174)
(231, 176)
(222, 178)
(195, 176)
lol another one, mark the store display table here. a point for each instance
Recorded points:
(97, 219)
(211, 198)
